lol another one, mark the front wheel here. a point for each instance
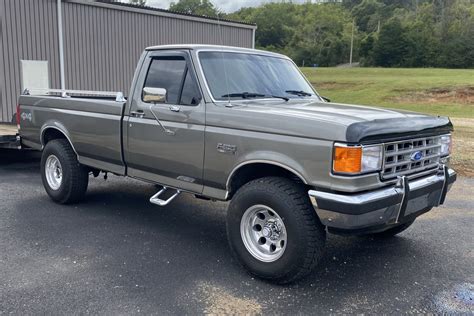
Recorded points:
(274, 231)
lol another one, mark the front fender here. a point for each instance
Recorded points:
(308, 159)
(271, 158)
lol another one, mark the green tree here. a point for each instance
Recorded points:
(198, 7)
(349, 4)
(368, 14)
(276, 23)
(457, 35)
(389, 33)
(422, 41)
(322, 35)
(138, 2)
(366, 50)
(391, 46)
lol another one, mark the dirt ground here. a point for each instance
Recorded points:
(463, 95)
(463, 146)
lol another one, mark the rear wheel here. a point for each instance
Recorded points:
(64, 178)
(274, 231)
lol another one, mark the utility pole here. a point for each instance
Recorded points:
(61, 45)
(352, 43)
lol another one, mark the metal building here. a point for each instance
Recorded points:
(99, 43)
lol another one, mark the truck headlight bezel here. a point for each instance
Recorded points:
(356, 159)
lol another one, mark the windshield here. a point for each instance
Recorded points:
(242, 76)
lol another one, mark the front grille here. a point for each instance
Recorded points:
(410, 156)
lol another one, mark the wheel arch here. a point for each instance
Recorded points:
(254, 169)
(56, 131)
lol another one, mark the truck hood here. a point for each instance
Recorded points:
(334, 121)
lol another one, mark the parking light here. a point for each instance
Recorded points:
(356, 159)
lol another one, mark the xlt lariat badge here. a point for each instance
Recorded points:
(226, 148)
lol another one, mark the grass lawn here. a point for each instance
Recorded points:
(447, 92)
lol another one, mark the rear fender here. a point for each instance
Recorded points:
(57, 126)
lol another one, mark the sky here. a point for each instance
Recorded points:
(223, 5)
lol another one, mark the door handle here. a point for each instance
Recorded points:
(138, 113)
(175, 108)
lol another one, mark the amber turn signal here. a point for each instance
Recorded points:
(347, 159)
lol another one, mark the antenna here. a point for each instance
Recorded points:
(219, 29)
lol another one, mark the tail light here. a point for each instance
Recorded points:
(18, 115)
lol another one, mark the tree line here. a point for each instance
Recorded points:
(385, 33)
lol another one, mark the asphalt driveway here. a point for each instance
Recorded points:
(118, 254)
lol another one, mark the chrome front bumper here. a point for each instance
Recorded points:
(383, 208)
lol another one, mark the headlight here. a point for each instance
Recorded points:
(446, 143)
(356, 159)
(371, 158)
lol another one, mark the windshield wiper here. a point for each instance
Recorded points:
(300, 93)
(246, 95)
(277, 97)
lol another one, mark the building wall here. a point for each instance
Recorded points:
(102, 42)
(28, 31)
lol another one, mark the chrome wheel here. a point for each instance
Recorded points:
(53, 172)
(263, 233)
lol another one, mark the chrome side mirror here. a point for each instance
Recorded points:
(154, 95)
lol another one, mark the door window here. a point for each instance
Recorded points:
(171, 73)
(190, 94)
(167, 73)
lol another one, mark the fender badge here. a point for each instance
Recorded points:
(226, 148)
(26, 116)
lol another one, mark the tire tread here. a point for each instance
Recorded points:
(315, 232)
(77, 175)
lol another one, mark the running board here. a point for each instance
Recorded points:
(156, 200)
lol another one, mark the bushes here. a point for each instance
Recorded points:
(429, 35)
(402, 33)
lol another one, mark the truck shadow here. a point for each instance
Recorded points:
(19, 159)
(8, 156)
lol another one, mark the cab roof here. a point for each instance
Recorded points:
(215, 48)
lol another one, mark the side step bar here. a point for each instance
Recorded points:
(155, 199)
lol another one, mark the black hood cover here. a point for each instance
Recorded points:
(396, 128)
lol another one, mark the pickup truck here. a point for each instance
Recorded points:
(246, 126)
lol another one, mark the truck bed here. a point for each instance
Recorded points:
(92, 125)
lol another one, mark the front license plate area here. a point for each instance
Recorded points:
(423, 202)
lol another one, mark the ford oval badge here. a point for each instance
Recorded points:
(416, 156)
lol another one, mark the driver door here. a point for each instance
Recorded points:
(165, 133)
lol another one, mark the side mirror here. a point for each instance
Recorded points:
(154, 95)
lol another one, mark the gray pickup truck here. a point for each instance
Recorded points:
(245, 126)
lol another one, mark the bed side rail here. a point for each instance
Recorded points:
(119, 97)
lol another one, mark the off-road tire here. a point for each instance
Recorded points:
(306, 236)
(391, 232)
(75, 177)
